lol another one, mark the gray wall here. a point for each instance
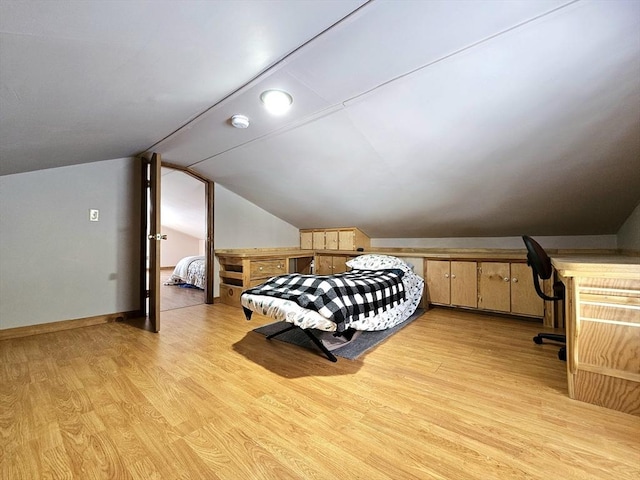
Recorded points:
(54, 263)
(629, 233)
(239, 223)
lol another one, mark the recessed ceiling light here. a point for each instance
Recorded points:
(277, 102)
(240, 121)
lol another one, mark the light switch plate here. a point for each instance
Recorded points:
(94, 215)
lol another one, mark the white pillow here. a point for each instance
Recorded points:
(373, 261)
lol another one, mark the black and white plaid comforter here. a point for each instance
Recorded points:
(341, 298)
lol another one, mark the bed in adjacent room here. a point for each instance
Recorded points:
(189, 272)
(380, 292)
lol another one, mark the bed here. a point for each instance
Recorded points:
(380, 291)
(190, 272)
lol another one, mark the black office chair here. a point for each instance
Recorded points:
(540, 264)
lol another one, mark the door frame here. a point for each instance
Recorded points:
(150, 239)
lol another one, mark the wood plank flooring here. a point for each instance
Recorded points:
(454, 395)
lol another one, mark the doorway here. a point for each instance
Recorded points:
(185, 223)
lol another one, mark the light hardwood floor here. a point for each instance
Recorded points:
(451, 396)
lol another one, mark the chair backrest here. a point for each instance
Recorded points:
(537, 258)
(540, 264)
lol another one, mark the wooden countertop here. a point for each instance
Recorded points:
(608, 266)
(440, 253)
(264, 252)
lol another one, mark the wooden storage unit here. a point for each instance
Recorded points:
(452, 283)
(494, 286)
(334, 239)
(499, 286)
(331, 264)
(524, 299)
(603, 330)
(242, 270)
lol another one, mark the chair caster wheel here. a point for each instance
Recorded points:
(537, 340)
(562, 354)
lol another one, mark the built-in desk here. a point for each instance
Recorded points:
(602, 321)
(246, 268)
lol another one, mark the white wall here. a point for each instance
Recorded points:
(239, 223)
(178, 245)
(584, 241)
(629, 233)
(54, 263)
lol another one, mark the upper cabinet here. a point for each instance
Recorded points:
(350, 238)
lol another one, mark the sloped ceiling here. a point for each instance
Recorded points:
(410, 119)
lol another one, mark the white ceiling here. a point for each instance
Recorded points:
(410, 119)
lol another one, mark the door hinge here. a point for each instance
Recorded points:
(148, 183)
(147, 294)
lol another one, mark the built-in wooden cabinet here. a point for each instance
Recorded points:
(494, 286)
(331, 264)
(241, 271)
(334, 239)
(452, 283)
(502, 286)
(524, 299)
(603, 329)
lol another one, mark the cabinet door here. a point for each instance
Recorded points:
(323, 265)
(495, 286)
(306, 240)
(346, 240)
(331, 240)
(318, 240)
(524, 299)
(438, 285)
(464, 284)
(340, 264)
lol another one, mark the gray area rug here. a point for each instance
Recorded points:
(362, 341)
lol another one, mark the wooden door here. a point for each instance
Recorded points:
(438, 283)
(151, 236)
(318, 240)
(340, 264)
(524, 299)
(464, 284)
(346, 240)
(331, 239)
(495, 286)
(324, 265)
(306, 240)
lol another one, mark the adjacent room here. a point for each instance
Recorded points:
(283, 239)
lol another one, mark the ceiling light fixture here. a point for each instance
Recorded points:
(276, 102)
(240, 121)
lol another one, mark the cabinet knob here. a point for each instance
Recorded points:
(453, 275)
(260, 268)
(506, 279)
(446, 275)
(514, 280)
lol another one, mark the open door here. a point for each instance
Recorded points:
(151, 237)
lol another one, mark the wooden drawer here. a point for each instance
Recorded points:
(230, 295)
(267, 268)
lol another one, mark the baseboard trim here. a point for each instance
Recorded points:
(29, 330)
